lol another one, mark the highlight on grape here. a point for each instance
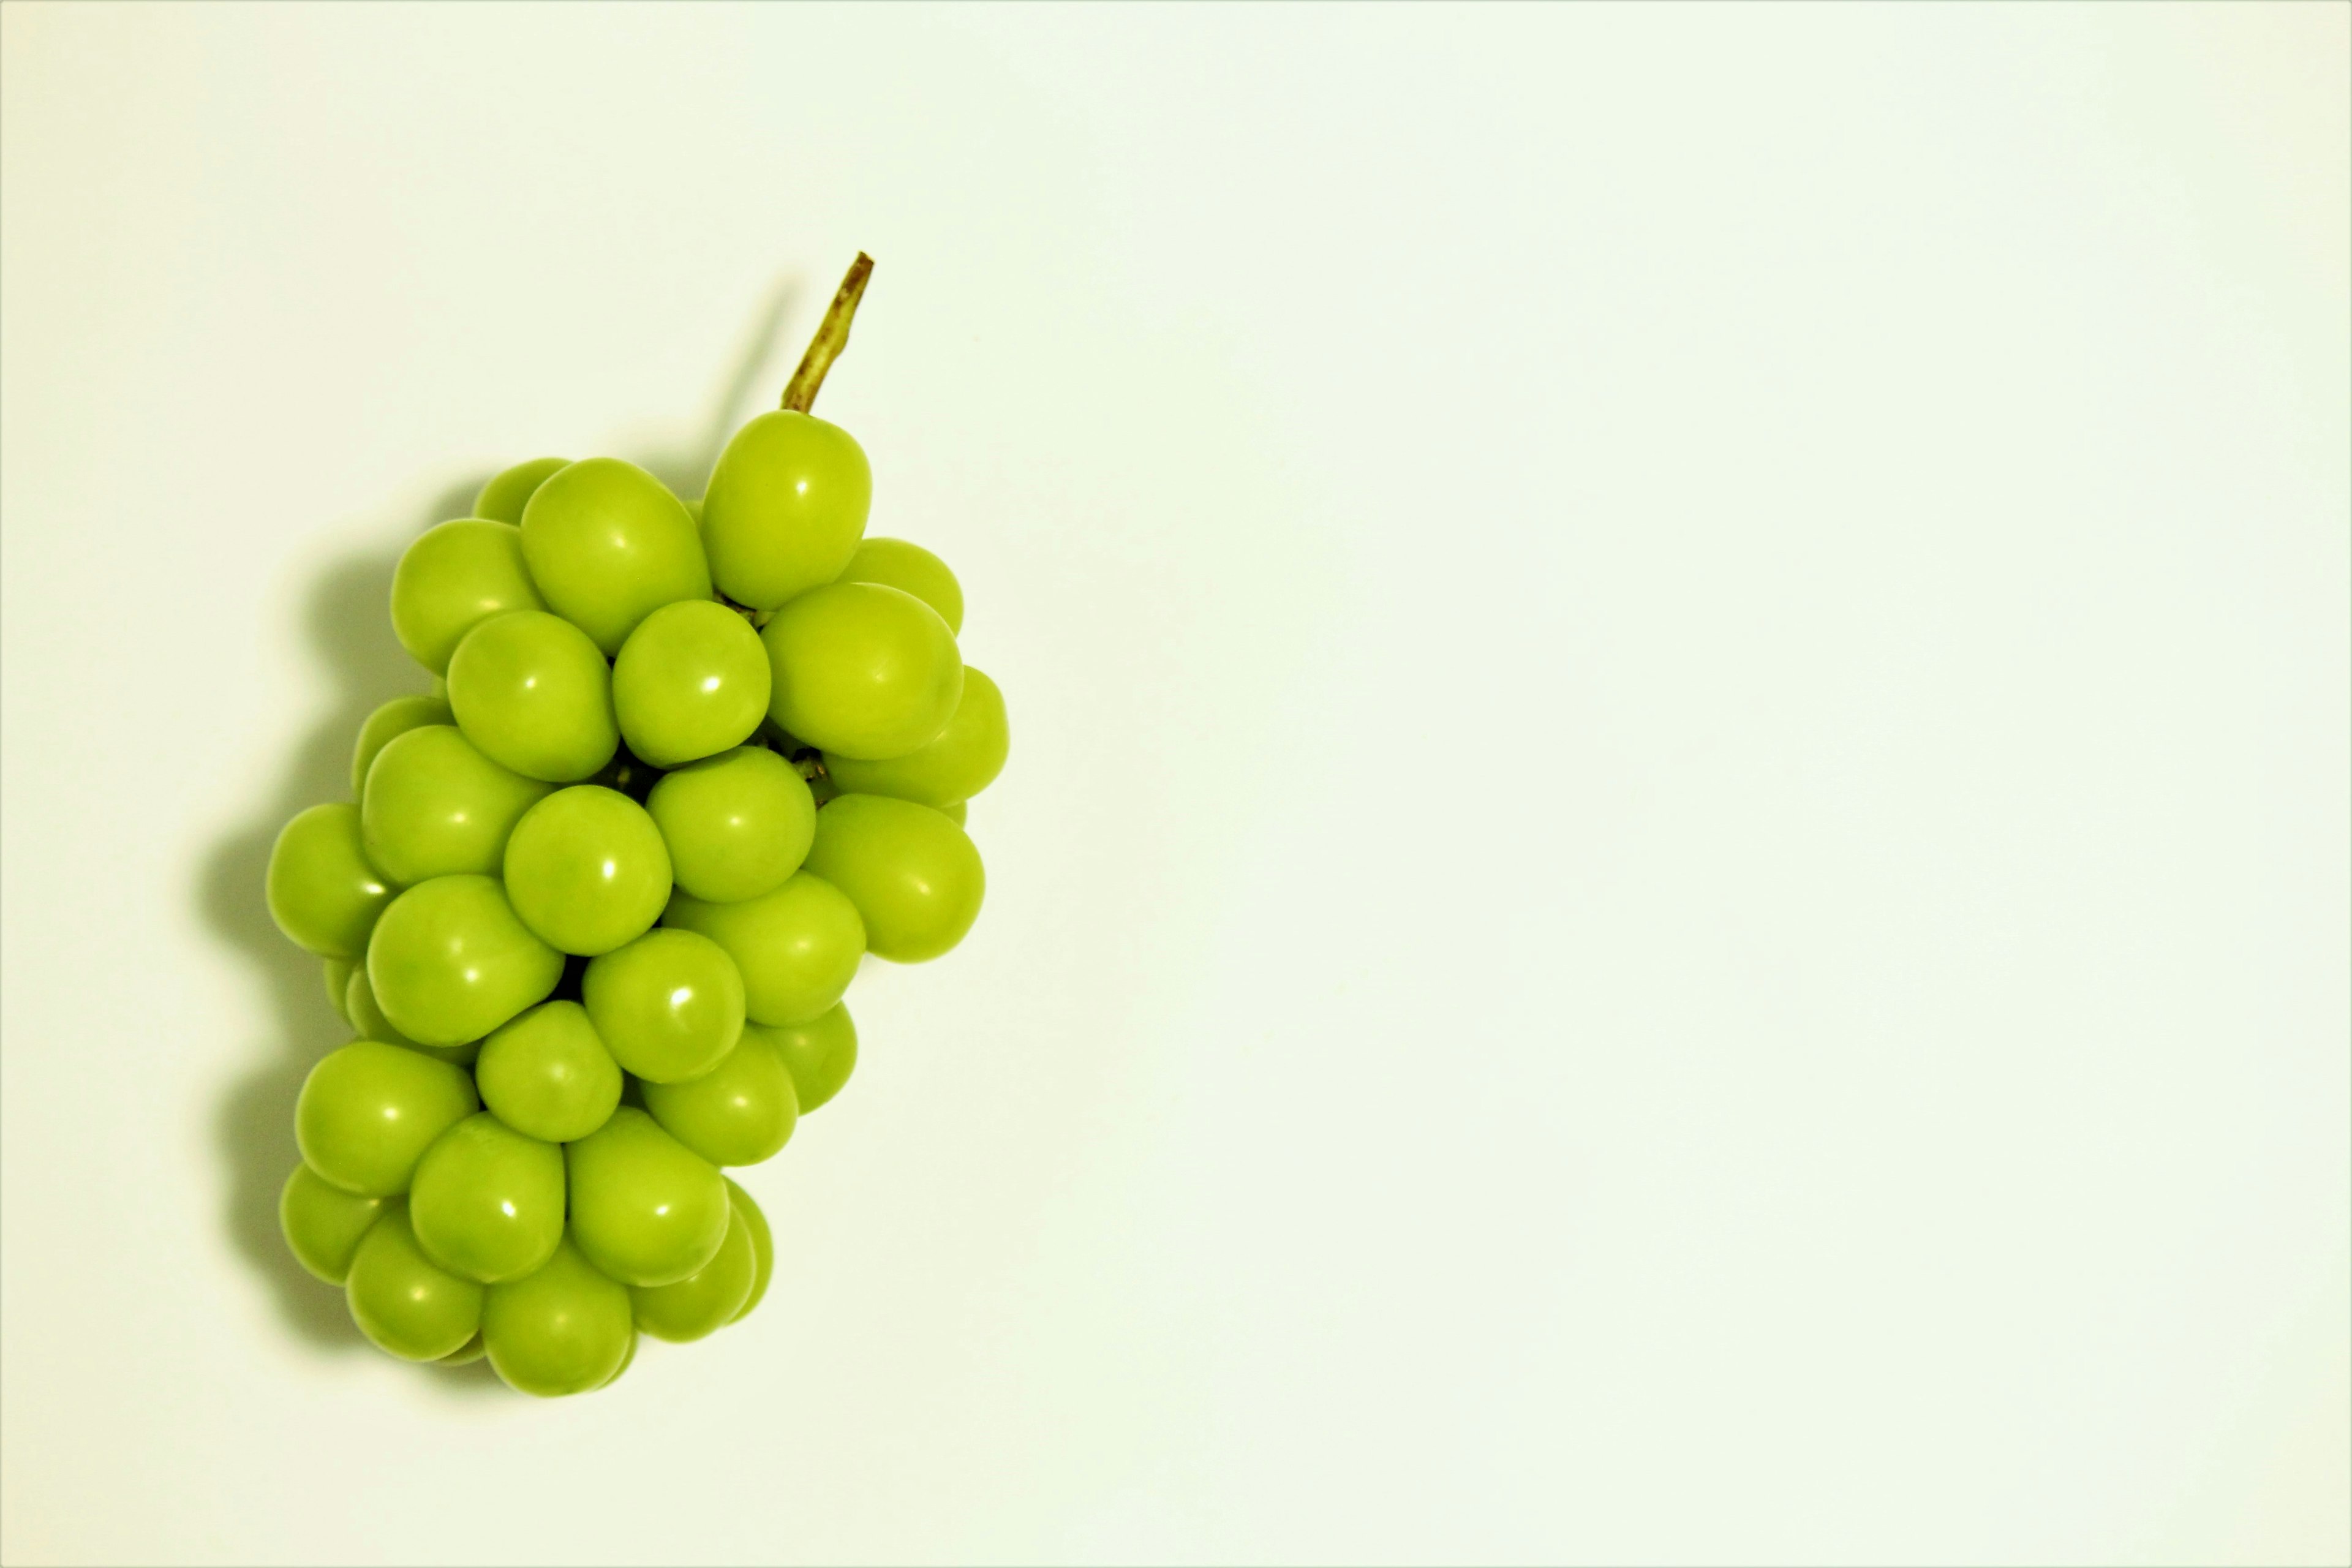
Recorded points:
(594, 907)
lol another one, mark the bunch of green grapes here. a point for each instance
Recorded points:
(594, 906)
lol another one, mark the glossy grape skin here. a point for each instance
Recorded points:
(820, 1054)
(737, 824)
(396, 717)
(338, 974)
(796, 948)
(368, 1112)
(450, 962)
(323, 888)
(548, 1076)
(323, 1224)
(507, 492)
(785, 507)
(645, 1209)
(951, 766)
(691, 682)
(669, 1006)
(862, 671)
(739, 1113)
(533, 695)
(435, 807)
(564, 1329)
(487, 1202)
(454, 576)
(368, 1020)
(409, 1305)
(608, 545)
(706, 1300)
(587, 870)
(914, 876)
(911, 569)
(467, 1355)
(763, 1246)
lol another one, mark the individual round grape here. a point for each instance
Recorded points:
(691, 682)
(763, 1246)
(911, 569)
(405, 1303)
(323, 1224)
(820, 1054)
(861, 671)
(324, 891)
(608, 545)
(705, 1301)
(913, 875)
(587, 870)
(339, 973)
(368, 1112)
(533, 694)
(396, 717)
(368, 1020)
(510, 489)
(455, 575)
(435, 807)
(487, 1202)
(645, 1209)
(467, 1355)
(670, 1005)
(739, 1113)
(547, 1075)
(951, 766)
(565, 1328)
(450, 962)
(784, 508)
(796, 948)
(737, 824)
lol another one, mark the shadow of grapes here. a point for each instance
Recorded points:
(346, 616)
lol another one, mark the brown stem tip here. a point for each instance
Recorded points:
(832, 337)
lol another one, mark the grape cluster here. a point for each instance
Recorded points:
(595, 905)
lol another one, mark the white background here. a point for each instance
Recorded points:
(1674, 884)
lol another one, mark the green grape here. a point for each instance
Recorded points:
(434, 806)
(862, 671)
(323, 1224)
(449, 961)
(951, 766)
(405, 1303)
(706, 1300)
(645, 1209)
(360, 1007)
(339, 973)
(455, 575)
(487, 1202)
(955, 812)
(820, 1054)
(532, 694)
(510, 489)
(739, 1113)
(694, 511)
(396, 717)
(763, 1246)
(796, 948)
(737, 824)
(563, 1330)
(915, 877)
(691, 682)
(547, 1075)
(324, 891)
(368, 1112)
(608, 546)
(467, 1355)
(911, 569)
(587, 870)
(784, 508)
(668, 1006)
